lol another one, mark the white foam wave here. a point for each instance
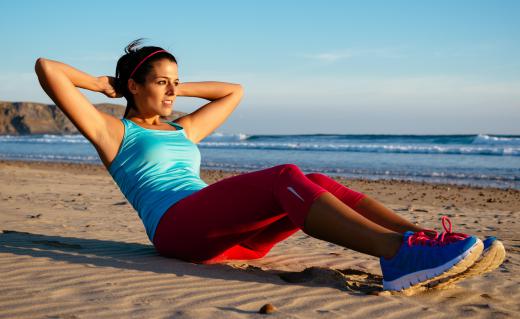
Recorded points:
(496, 140)
(476, 179)
(50, 157)
(45, 138)
(372, 148)
(223, 137)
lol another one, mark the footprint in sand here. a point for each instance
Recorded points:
(345, 279)
(352, 280)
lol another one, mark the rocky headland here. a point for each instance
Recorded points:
(19, 118)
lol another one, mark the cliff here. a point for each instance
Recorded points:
(18, 118)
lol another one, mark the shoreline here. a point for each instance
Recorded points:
(440, 182)
(94, 167)
(447, 196)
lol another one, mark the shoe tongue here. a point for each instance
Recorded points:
(406, 237)
(489, 241)
(408, 234)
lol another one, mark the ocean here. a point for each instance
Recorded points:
(478, 160)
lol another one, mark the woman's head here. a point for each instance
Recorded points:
(146, 76)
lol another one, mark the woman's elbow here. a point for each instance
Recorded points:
(40, 65)
(239, 89)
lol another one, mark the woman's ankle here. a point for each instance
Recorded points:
(394, 243)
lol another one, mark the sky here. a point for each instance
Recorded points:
(307, 67)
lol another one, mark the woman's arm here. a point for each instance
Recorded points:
(224, 99)
(60, 81)
(206, 90)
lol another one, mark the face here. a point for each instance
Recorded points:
(157, 95)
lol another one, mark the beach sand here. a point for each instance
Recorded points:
(72, 247)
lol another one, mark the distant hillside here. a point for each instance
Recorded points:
(18, 118)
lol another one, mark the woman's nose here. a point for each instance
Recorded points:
(171, 89)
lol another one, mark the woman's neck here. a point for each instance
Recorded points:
(145, 119)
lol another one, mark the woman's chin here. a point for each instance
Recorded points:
(166, 111)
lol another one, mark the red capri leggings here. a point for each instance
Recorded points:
(244, 216)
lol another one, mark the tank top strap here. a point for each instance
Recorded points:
(125, 122)
(178, 126)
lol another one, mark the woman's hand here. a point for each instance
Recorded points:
(107, 86)
(224, 99)
(209, 90)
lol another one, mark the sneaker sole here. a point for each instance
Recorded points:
(421, 278)
(490, 261)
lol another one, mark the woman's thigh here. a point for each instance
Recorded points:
(220, 216)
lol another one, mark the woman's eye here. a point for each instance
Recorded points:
(161, 82)
(177, 83)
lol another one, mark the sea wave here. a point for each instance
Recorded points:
(374, 172)
(433, 176)
(370, 148)
(496, 140)
(339, 139)
(44, 139)
(222, 137)
(51, 157)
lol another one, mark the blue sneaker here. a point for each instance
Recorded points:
(492, 256)
(423, 258)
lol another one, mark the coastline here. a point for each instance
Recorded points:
(72, 247)
(387, 191)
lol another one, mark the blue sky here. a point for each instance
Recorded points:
(348, 67)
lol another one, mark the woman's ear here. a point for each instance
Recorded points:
(132, 86)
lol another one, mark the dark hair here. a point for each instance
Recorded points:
(134, 54)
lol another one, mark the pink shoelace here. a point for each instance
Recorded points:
(448, 236)
(432, 238)
(427, 237)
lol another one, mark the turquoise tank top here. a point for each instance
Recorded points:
(155, 169)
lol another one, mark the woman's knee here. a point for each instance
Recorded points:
(316, 177)
(289, 167)
(289, 172)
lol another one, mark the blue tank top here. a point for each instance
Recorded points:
(155, 169)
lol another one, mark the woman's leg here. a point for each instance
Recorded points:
(365, 205)
(258, 245)
(422, 260)
(361, 203)
(206, 226)
(240, 217)
(331, 220)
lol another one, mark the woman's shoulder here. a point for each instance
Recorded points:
(184, 122)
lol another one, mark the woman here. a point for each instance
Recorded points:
(156, 165)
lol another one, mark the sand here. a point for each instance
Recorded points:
(72, 247)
